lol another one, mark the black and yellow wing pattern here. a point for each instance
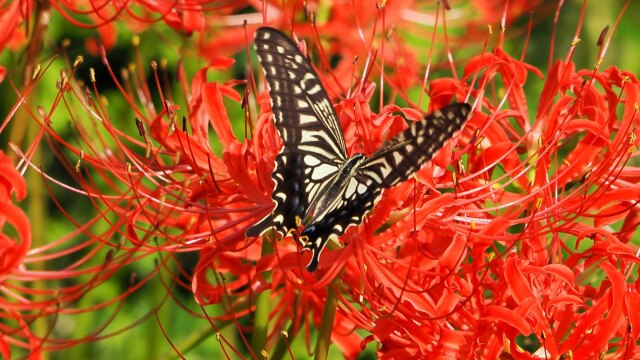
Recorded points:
(316, 184)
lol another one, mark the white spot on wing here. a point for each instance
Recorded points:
(322, 171)
(314, 90)
(351, 188)
(308, 77)
(397, 157)
(385, 169)
(306, 119)
(311, 160)
(362, 188)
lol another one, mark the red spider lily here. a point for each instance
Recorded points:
(520, 227)
(184, 15)
(221, 31)
(13, 252)
(12, 14)
(447, 279)
(481, 297)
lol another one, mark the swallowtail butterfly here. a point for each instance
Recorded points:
(316, 184)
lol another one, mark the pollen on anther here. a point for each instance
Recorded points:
(78, 61)
(36, 72)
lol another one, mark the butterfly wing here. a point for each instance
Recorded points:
(400, 157)
(397, 160)
(348, 208)
(305, 119)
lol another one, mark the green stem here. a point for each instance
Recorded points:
(263, 309)
(197, 337)
(23, 132)
(283, 343)
(328, 317)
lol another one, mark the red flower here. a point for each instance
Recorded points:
(13, 253)
(515, 240)
(12, 15)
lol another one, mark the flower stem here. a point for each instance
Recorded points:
(328, 317)
(263, 308)
(24, 125)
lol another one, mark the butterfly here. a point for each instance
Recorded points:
(316, 184)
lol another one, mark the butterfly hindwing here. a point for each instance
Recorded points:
(358, 198)
(289, 195)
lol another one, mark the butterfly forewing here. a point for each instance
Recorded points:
(301, 108)
(314, 148)
(406, 153)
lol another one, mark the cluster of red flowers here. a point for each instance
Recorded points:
(515, 241)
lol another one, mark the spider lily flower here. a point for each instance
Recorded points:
(517, 234)
(13, 252)
(203, 18)
(492, 253)
(475, 268)
(513, 250)
(12, 183)
(137, 192)
(12, 15)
